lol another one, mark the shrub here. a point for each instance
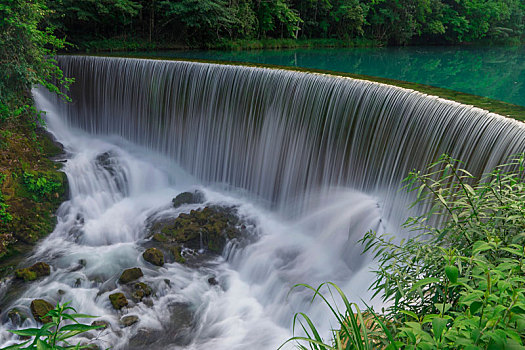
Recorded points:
(459, 281)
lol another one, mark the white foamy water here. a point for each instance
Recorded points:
(101, 228)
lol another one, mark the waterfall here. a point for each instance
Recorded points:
(282, 134)
(310, 161)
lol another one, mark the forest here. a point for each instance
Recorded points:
(213, 23)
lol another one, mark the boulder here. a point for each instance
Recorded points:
(39, 308)
(159, 237)
(154, 256)
(194, 197)
(101, 323)
(118, 300)
(16, 317)
(130, 275)
(38, 270)
(177, 254)
(141, 290)
(129, 320)
(208, 228)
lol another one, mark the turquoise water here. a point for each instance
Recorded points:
(495, 72)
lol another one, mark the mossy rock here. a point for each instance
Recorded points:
(16, 316)
(26, 274)
(38, 270)
(194, 197)
(141, 290)
(154, 256)
(177, 254)
(130, 275)
(39, 308)
(118, 300)
(211, 226)
(159, 237)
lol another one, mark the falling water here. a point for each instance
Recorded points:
(311, 161)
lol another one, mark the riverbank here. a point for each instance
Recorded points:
(135, 44)
(32, 188)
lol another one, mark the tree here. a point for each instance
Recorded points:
(26, 55)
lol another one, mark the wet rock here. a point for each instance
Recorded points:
(141, 290)
(118, 300)
(194, 197)
(103, 324)
(38, 270)
(208, 228)
(89, 346)
(16, 316)
(129, 320)
(213, 281)
(177, 254)
(39, 308)
(130, 275)
(154, 256)
(159, 237)
(61, 292)
(179, 327)
(110, 163)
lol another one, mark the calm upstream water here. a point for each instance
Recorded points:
(495, 72)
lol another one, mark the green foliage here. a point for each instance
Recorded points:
(4, 215)
(26, 54)
(54, 335)
(39, 186)
(358, 330)
(203, 23)
(459, 282)
(465, 268)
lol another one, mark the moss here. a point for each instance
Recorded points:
(39, 308)
(188, 198)
(141, 290)
(118, 300)
(130, 275)
(26, 274)
(209, 227)
(25, 150)
(177, 254)
(159, 237)
(153, 256)
(39, 269)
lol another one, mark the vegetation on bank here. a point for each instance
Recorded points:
(31, 186)
(245, 24)
(457, 283)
